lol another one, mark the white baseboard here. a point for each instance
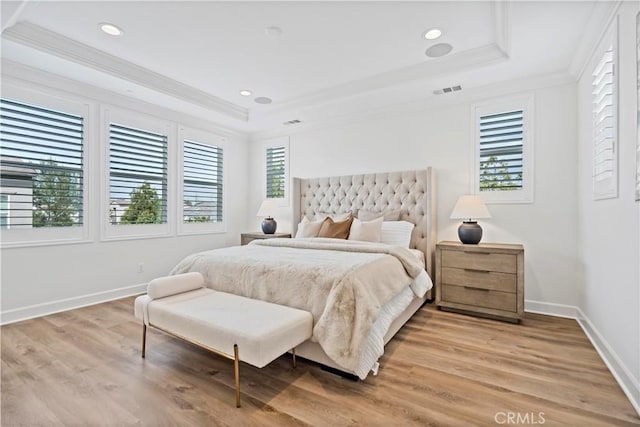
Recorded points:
(37, 310)
(550, 309)
(620, 372)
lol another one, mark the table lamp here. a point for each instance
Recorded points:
(469, 208)
(267, 208)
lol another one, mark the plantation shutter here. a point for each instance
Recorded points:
(501, 151)
(202, 182)
(604, 119)
(138, 168)
(41, 166)
(275, 172)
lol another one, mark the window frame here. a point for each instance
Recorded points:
(526, 103)
(202, 137)
(44, 236)
(273, 143)
(135, 119)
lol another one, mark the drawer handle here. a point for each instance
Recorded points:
(477, 271)
(476, 253)
(476, 288)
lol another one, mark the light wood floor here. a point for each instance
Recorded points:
(83, 368)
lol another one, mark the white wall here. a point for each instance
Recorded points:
(37, 280)
(609, 249)
(441, 137)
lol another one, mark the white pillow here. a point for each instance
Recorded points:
(396, 233)
(308, 229)
(366, 231)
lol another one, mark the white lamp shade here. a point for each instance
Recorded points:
(268, 208)
(470, 207)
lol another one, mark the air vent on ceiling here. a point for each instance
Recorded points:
(292, 122)
(447, 90)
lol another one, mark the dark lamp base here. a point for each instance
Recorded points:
(269, 226)
(470, 233)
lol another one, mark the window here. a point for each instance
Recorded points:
(605, 170)
(501, 138)
(502, 150)
(137, 176)
(276, 172)
(41, 169)
(138, 194)
(202, 182)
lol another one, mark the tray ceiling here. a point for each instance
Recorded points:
(201, 54)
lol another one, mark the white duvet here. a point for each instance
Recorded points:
(344, 284)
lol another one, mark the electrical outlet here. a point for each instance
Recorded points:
(140, 267)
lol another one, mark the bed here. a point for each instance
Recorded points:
(324, 276)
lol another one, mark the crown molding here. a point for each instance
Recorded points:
(601, 17)
(481, 93)
(50, 42)
(16, 74)
(502, 16)
(10, 17)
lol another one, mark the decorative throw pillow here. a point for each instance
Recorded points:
(366, 231)
(396, 233)
(307, 228)
(336, 230)
(365, 215)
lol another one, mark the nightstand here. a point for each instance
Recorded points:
(245, 238)
(486, 280)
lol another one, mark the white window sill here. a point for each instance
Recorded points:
(38, 243)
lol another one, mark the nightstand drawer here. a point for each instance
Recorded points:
(479, 297)
(492, 280)
(505, 263)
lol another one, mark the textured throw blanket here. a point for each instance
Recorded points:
(342, 283)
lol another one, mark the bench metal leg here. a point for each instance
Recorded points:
(144, 338)
(236, 368)
(293, 354)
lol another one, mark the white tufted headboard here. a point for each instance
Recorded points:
(413, 192)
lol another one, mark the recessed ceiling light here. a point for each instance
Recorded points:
(439, 49)
(262, 100)
(432, 34)
(245, 92)
(110, 29)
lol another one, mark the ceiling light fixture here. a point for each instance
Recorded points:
(110, 29)
(245, 92)
(262, 100)
(432, 34)
(438, 50)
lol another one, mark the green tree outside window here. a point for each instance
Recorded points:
(145, 207)
(57, 195)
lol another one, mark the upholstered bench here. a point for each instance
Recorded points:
(242, 329)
